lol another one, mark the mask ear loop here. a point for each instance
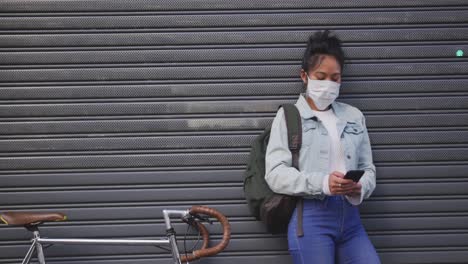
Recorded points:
(304, 85)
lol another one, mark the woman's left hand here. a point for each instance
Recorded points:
(355, 191)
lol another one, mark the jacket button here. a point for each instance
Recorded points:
(348, 156)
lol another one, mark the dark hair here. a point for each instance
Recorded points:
(319, 44)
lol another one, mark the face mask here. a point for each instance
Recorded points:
(322, 92)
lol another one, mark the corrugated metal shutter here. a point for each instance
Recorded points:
(112, 110)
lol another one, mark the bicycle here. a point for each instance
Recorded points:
(192, 217)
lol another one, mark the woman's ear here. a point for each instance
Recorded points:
(304, 80)
(304, 76)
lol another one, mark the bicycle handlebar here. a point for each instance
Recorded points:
(204, 251)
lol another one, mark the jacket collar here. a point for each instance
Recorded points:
(307, 113)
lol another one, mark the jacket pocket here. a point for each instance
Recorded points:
(354, 128)
(308, 131)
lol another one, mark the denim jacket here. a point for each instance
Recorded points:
(314, 154)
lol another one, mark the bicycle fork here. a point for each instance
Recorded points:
(171, 235)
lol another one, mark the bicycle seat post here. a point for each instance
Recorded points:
(40, 252)
(36, 245)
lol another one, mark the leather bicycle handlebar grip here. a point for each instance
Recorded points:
(226, 231)
(206, 239)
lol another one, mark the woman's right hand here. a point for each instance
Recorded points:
(338, 185)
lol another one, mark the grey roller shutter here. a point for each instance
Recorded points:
(113, 110)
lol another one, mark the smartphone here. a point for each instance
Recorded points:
(354, 175)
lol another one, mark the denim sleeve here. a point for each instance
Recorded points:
(368, 180)
(279, 173)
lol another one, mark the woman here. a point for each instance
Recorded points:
(335, 140)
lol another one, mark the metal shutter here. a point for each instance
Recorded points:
(113, 110)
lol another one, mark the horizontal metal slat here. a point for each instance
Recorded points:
(145, 5)
(409, 103)
(147, 73)
(220, 72)
(211, 124)
(131, 143)
(232, 20)
(423, 256)
(394, 174)
(205, 159)
(121, 178)
(145, 108)
(427, 154)
(208, 142)
(154, 195)
(381, 208)
(233, 37)
(224, 106)
(141, 125)
(421, 241)
(181, 91)
(422, 172)
(420, 189)
(125, 161)
(402, 225)
(416, 121)
(99, 196)
(418, 137)
(219, 55)
(429, 206)
(149, 56)
(156, 90)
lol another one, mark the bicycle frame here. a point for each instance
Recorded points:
(38, 241)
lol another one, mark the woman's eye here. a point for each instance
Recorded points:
(320, 76)
(336, 79)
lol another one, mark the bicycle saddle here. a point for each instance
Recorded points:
(20, 218)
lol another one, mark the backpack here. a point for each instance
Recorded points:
(273, 209)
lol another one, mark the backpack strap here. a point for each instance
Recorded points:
(294, 126)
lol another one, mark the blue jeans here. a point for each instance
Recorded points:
(333, 233)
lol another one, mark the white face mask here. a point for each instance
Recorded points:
(322, 92)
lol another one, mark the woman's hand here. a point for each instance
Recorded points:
(338, 185)
(356, 191)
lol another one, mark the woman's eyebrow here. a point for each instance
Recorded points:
(339, 73)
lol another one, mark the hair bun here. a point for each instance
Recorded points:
(325, 43)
